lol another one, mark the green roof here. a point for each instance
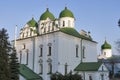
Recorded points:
(106, 45)
(32, 23)
(28, 74)
(88, 66)
(66, 13)
(47, 14)
(73, 32)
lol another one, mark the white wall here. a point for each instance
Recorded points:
(28, 45)
(67, 20)
(90, 51)
(107, 52)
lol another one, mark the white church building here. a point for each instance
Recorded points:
(53, 45)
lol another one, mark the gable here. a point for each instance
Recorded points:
(103, 68)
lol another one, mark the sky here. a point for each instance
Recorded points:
(100, 17)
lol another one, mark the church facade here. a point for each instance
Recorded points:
(53, 45)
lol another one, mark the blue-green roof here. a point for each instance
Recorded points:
(88, 66)
(73, 32)
(47, 14)
(66, 13)
(32, 23)
(28, 74)
(106, 45)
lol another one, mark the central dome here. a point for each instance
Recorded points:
(46, 15)
(106, 46)
(66, 13)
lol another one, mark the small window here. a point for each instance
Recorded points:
(63, 23)
(49, 52)
(104, 53)
(27, 57)
(102, 77)
(76, 50)
(90, 77)
(41, 69)
(41, 51)
(83, 51)
(49, 68)
(66, 66)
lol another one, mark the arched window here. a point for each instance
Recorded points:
(83, 50)
(27, 56)
(49, 49)
(41, 50)
(49, 68)
(40, 68)
(76, 50)
(63, 23)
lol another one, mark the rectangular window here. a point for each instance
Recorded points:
(90, 77)
(49, 51)
(76, 51)
(102, 76)
(41, 51)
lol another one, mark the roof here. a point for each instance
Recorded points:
(27, 73)
(32, 23)
(106, 45)
(47, 14)
(73, 32)
(66, 13)
(88, 66)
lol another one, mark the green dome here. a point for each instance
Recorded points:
(47, 14)
(32, 23)
(106, 46)
(66, 13)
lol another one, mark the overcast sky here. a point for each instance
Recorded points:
(100, 17)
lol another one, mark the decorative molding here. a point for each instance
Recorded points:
(77, 46)
(41, 45)
(49, 60)
(49, 44)
(40, 61)
(27, 50)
